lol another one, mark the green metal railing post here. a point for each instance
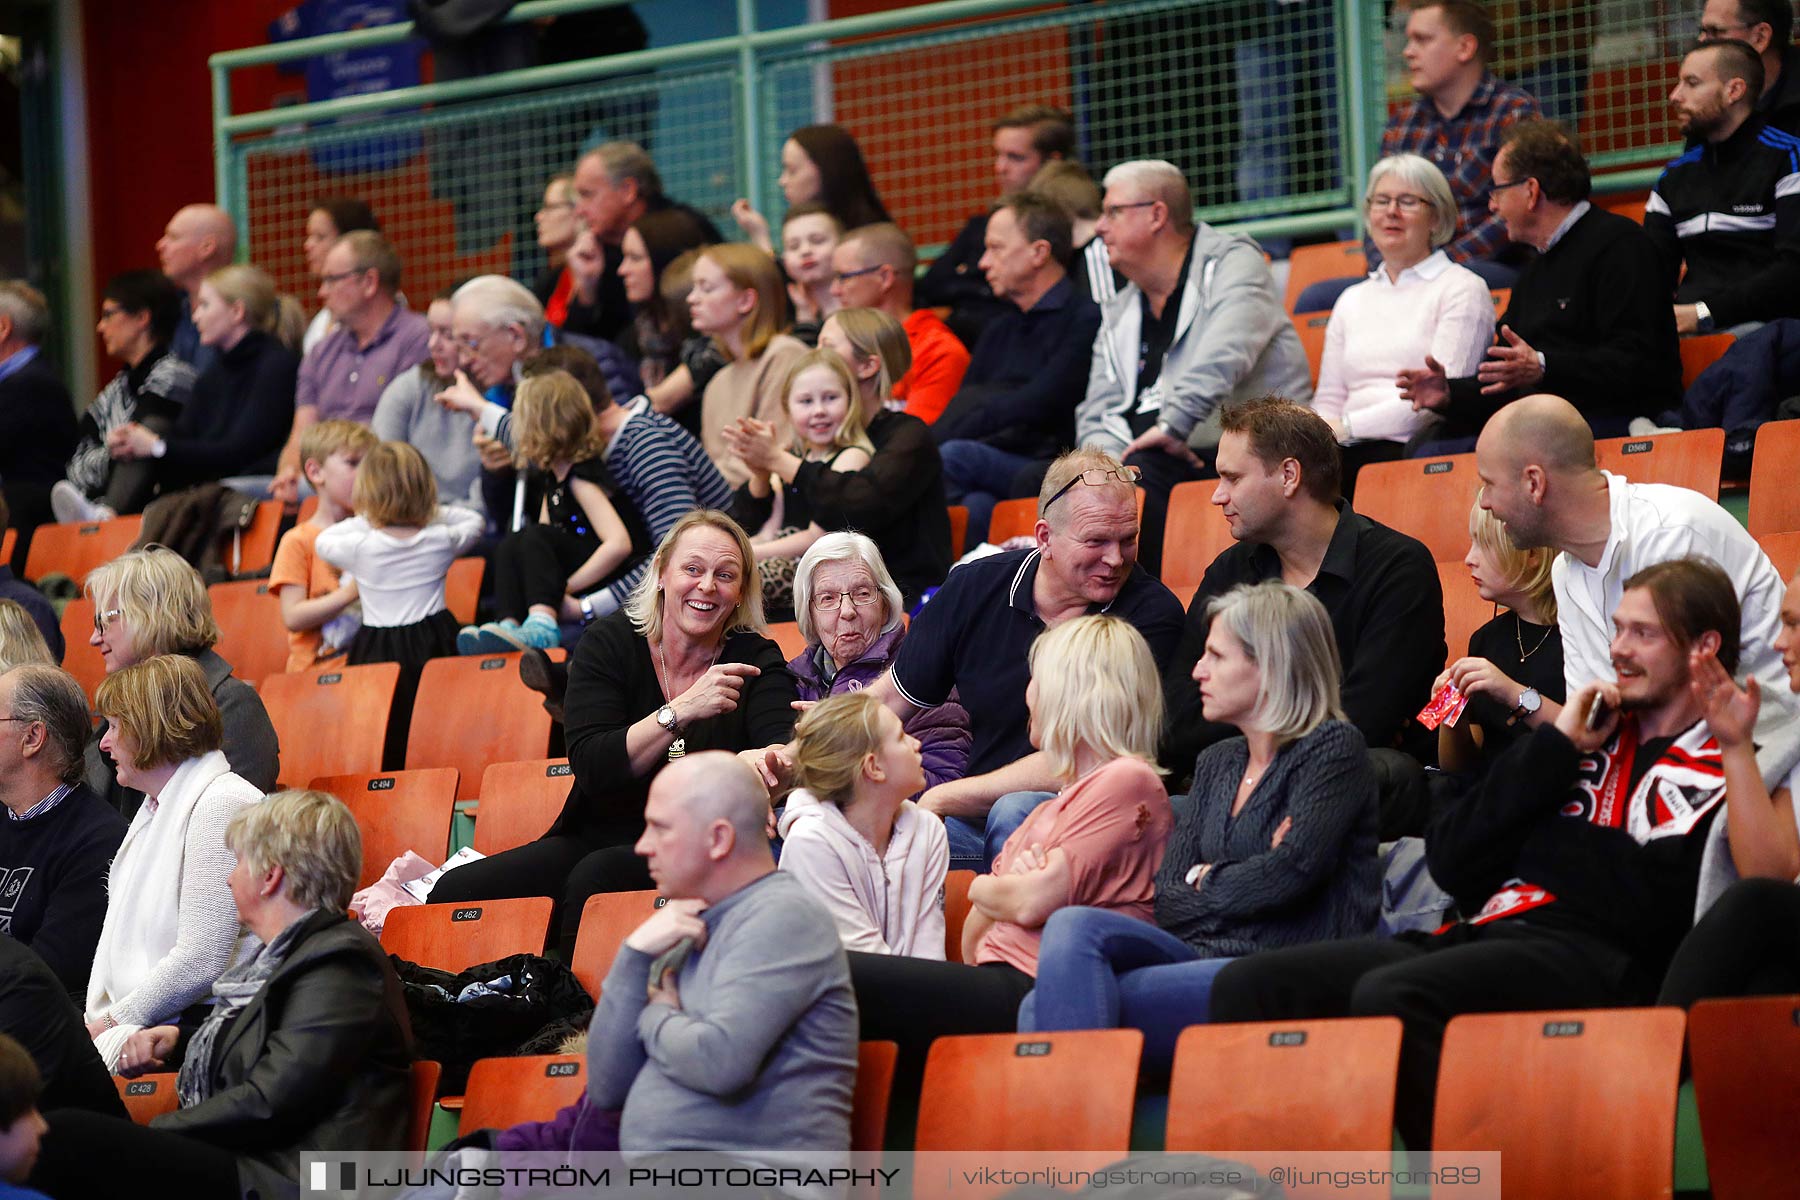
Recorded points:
(749, 92)
(222, 156)
(1364, 75)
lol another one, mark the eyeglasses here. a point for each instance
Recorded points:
(861, 597)
(1406, 204)
(1497, 186)
(26, 720)
(109, 311)
(860, 271)
(1094, 477)
(472, 342)
(1111, 211)
(1718, 33)
(340, 276)
(103, 619)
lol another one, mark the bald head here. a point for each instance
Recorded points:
(717, 786)
(1542, 430)
(199, 239)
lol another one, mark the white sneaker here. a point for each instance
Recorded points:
(69, 505)
(1645, 427)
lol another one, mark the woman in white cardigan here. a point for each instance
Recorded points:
(1416, 305)
(875, 859)
(171, 925)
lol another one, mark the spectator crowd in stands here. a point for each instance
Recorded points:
(670, 442)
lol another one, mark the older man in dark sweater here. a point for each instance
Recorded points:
(1590, 318)
(57, 838)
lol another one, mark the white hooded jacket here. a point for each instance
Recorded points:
(891, 905)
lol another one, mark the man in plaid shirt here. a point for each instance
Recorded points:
(1457, 121)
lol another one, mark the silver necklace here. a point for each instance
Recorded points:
(678, 747)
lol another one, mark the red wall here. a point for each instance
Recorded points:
(149, 98)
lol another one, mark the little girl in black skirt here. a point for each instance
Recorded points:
(399, 547)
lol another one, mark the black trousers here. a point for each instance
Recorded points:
(566, 868)
(87, 1154)
(1425, 980)
(1161, 473)
(533, 565)
(1747, 944)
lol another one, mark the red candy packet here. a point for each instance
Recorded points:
(1446, 706)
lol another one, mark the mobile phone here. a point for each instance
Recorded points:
(1596, 713)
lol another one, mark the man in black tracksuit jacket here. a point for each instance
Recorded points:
(1575, 867)
(1727, 209)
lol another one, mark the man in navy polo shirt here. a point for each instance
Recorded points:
(974, 636)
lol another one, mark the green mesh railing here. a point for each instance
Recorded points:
(1273, 110)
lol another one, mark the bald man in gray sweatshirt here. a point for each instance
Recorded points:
(749, 1042)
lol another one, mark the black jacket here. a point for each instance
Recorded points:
(318, 1060)
(1597, 307)
(239, 417)
(37, 425)
(36, 1010)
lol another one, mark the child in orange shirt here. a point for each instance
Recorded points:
(313, 597)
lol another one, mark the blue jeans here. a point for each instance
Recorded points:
(1100, 969)
(973, 845)
(977, 476)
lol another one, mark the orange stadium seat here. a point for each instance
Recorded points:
(504, 1092)
(1625, 204)
(1783, 550)
(1428, 498)
(453, 937)
(956, 911)
(473, 711)
(959, 530)
(520, 801)
(80, 658)
(1579, 1104)
(1690, 459)
(349, 706)
(397, 811)
(1030, 1091)
(607, 919)
(256, 545)
(1699, 353)
(1295, 1086)
(423, 1095)
(1195, 533)
(1774, 500)
(874, 1086)
(1311, 328)
(78, 547)
(462, 588)
(1012, 518)
(1314, 264)
(251, 636)
(148, 1096)
(786, 634)
(1746, 1056)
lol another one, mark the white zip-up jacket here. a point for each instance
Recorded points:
(881, 905)
(1233, 341)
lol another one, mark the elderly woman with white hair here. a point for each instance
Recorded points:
(1276, 845)
(307, 1046)
(849, 611)
(1416, 306)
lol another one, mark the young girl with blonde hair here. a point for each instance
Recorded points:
(399, 547)
(587, 533)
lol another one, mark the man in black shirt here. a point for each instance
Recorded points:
(1768, 27)
(37, 1013)
(974, 636)
(57, 839)
(1278, 484)
(1590, 317)
(1575, 867)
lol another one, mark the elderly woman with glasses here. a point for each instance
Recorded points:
(1417, 306)
(149, 602)
(848, 609)
(306, 1046)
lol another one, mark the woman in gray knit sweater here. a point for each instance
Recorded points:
(1275, 846)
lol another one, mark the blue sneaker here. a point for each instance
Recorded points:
(539, 633)
(496, 637)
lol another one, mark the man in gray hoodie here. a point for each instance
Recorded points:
(745, 1041)
(1199, 325)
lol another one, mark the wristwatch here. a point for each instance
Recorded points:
(665, 716)
(1703, 318)
(1529, 703)
(587, 610)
